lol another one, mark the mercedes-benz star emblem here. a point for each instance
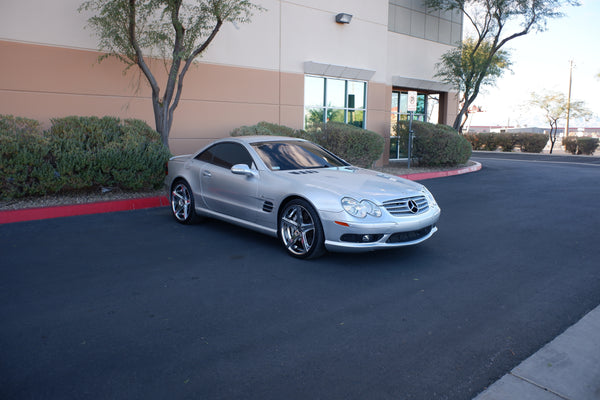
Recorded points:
(413, 207)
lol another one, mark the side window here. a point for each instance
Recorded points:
(206, 156)
(226, 155)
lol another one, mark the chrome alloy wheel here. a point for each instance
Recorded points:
(300, 230)
(182, 203)
(297, 230)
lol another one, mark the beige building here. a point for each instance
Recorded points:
(291, 65)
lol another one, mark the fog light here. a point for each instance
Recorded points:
(361, 238)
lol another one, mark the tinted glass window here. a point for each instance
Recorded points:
(226, 155)
(338, 100)
(281, 156)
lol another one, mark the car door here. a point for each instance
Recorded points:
(223, 191)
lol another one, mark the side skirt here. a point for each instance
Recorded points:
(236, 221)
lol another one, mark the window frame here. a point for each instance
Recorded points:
(222, 162)
(326, 111)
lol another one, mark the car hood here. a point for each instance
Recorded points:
(357, 182)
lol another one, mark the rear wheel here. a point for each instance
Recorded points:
(182, 203)
(300, 230)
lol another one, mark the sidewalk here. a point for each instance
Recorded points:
(568, 368)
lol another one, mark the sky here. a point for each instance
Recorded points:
(541, 63)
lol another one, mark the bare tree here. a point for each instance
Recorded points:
(179, 31)
(491, 21)
(554, 106)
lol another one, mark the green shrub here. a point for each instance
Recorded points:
(253, 130)
(268, 129)
(475, 140)
(570, 145)
(19, 125)
(489, 141)
(528, 142)
(580, 145)
(79, 153)
(507, 141)
(532, 142)
(91, 151)
(483, 141)
(436, 145)
(24, 156)
(587, 145)
(357, 146)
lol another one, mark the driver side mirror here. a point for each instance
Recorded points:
(243, 169)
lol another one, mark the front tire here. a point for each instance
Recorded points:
(182, 203)
(300, 230)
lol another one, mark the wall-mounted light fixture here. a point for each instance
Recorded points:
(343, 18)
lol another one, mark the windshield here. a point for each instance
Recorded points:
(288, 155)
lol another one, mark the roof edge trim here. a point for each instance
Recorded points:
(337, 71)
(422, 84)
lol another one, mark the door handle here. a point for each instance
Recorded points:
(206, 173)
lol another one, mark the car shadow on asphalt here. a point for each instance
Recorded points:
(243, 243)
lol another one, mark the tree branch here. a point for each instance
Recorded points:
(190, 60)
(138, 52)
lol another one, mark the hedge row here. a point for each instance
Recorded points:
(78, 153)
(527, 142)
(581, 145)
(355, 145)
(435, 144)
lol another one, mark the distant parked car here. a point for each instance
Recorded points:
(301, 193)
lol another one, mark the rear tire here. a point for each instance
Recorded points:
(300, 230)
(182, 203)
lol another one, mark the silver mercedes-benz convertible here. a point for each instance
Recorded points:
(306, 196)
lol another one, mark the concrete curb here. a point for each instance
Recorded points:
(442, 174)
(32, 214)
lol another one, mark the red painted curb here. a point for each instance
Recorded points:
(32, 214)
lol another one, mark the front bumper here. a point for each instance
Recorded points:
(346, 234)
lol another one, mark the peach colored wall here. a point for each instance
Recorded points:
(378, 114)
(44, 82)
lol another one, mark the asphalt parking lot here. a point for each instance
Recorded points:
(133, 305)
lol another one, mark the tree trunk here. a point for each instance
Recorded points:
(163, 124)
(553, 131)
(460, 119)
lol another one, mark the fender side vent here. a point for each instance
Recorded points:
(268, 206)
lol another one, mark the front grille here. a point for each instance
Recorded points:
(402, 237)
(407, 206)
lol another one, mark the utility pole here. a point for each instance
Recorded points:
(569, 98)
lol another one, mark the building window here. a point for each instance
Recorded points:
(413, 18)
(331, 99)
(427, 111)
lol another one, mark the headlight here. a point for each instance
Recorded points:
(429, 196)
(360, 209)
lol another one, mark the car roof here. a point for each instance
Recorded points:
(264, 138)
